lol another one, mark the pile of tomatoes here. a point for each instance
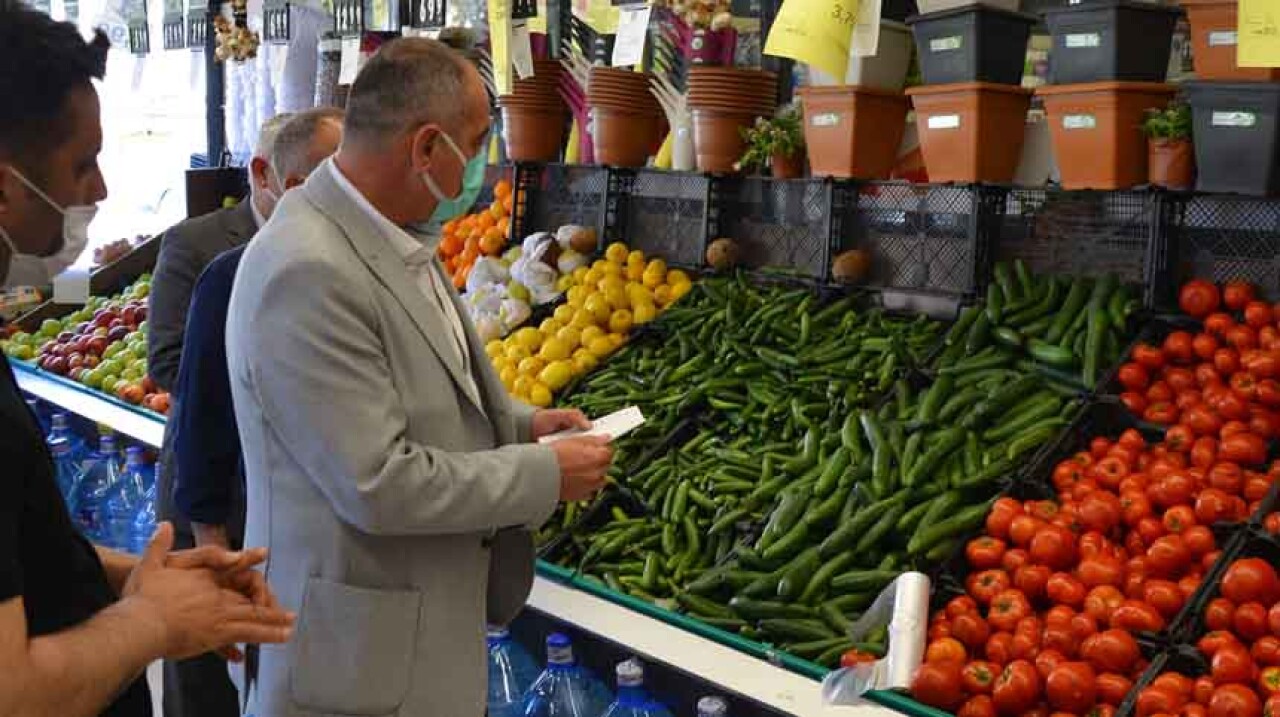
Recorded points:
(483, 233)
(1242, 648)
(1057, 590)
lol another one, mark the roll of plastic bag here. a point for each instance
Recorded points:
(530, 271)
(487, 270)
(904, 606)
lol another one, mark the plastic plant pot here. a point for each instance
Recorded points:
(1171, 163)
(928, 6)
(1105, 40)
(975, 43)
(1234, 125)
(1214, 41)
(886, 70)
(623, 139)
(533, 135)
(1097, 131)
(853, 131)
(971, 132)
(717, 139)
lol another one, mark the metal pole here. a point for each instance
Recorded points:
(214, 91)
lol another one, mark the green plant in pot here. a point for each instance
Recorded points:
(776, 143)
(1171, 158)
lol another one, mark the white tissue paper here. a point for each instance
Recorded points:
(529, 270)
(904, 605)
(487, 270)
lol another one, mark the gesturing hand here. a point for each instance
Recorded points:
(583, 464)
(554, 420)
(199, 608)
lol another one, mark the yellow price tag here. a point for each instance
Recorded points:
(816, 32)
(538, 24)
(500, 44)
(1258, 26)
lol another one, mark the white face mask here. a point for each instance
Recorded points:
(32, 270)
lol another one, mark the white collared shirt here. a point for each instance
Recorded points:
(419, 257)
(258, 220)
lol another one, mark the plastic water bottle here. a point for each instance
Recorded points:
(125, 501)
(632, 699)
(42, 415)
(65, 469)
(144, 522)
(713, 706)
(99, 477)
(59, 427)
(511, 671)
(564, 689)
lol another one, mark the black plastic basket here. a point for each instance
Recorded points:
(1220, 238)
(1189, 625)
(1084, 234)
(778, 224)
(549, 196)
(1181, 659)
(664, 214)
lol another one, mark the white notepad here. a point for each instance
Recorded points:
(615, 426)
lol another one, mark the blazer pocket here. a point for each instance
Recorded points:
(354, 648)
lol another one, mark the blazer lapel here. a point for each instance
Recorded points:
(375, 251)
(240, 224)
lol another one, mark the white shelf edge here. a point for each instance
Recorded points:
(131, 423)
(719, 665)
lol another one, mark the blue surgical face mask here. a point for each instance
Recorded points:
(472, 183)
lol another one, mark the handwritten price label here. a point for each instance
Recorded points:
(1258, 27)
(804, 31)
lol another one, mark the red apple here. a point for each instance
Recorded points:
(75, 360)
(96, 345)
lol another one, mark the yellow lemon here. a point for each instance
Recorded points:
(495, 348)
(592, 277)
(584, 361)
(620, 322)
(556, 374)
(676, 276)
(600, 347)
(575, 296)
(644, 313)
(549, 327)
(589, 334)
(517, 353)
(657, 266)
(616, 253)
(678, 290)
(531, 366)
(616, 340)
(529, 338)
(635, 272)
(579, 274)
(583, 319)
(612, 282)
(509, 376)
(652, 279)
(662, 295)
(636, 257)
(572, 336)
(539, 395)
(614, 270)
(564, 314)
(639, 294)
(553, 349)
(564, 283)
(520, 386)
(598, 307)
(617, 297)
(598, 266)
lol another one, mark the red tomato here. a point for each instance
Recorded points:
(1202, 690)
(1179, 518)
(1218, 323)
(1007, 608)
(1060, 639)
(961, 605)
(1212, 642)
(985, 552)
(1002, 513)
(1168, 556)
(1251, 580)
(1113, 650)
(1271, 708)
(978, 706)
(1256, 486)
(1226, 477)
(1133, 376)
(1100, 570)
(1014, 558)
(1206, 374)
(1148, 356)
(1266, 651)
(1102, 601)
(979, 677)
(1204, 345)
(1023, 529)
(1134, 506)
(1072, 687)
(1173, 489)
(1134, 402)
(1189, 584)
(1237, 294)
(1272, 523)
(1269, 392)
(971, 630)
(1159, 701)
(1226, 361)
(1235, 701)
(1243, 448)
(1202, 420)
(1176, 682)
(1017, 690)
(1083, 626)
(939, 684)
(1177, 347)
(1137, 616)
(1160, 412)
(1250, 621)
(984, 586)
(999, 648)
(1204, 452)
(1099, 511)
(1180, 379)
(1180, 437)
(1048, 659)
(944, 650)
(1263, 366)
(1257, 314)
(1198, 298)
(1212, 506)
(1055, 547)
(1160, 391)
(1032, 580)
(1199, 540)
(1273, 619)
(1241, 337)
(1113, 688)
(1231, 664)
(1165, 596)
(1063, 589)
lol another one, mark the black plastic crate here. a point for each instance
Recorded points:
(1253, 543)
(549, 196)
(1222, 238)
(664, 214)
(922, 238)
(783, 224)
(1084, 234)
(1180, 659)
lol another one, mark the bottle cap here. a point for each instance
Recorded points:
(630, 673)
(496, 634)
(559, 649)
(712, 706)
(59, 446)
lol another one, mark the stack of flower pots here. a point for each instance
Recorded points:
(1234, 109)
(627, 121)
(725, 101)
(534, 117)
(854, 129)
(1107, 67)
(971, 111)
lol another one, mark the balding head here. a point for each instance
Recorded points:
(417, 112)
(305, 141)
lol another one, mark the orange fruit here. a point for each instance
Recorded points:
(496, 210)
(506, 205)
(451, 244)
(502, 188)
(485, 220)
(469, 255)
(492, 242)
(473, 242)
(460, 278)
(505, 224)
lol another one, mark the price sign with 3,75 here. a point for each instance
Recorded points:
(844, 14)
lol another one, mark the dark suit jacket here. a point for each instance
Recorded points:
(186, 249)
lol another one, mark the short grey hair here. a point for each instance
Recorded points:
(409, 81)
(291, 151)
(267, 134)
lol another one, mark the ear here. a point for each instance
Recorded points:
(422, 142)
(259, 170)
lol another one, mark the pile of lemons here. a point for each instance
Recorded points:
(603, 302)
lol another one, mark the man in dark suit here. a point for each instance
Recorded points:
(288, 148)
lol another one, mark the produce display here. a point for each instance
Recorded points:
(602, 304)
(482, 233)
(103, 346)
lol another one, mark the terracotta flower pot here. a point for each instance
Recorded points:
(1097, 131)
(1171, 163)
(624, 139)
(533, 135)
(1214, 43)
(971, 131)
(717, 139)
(853, 131)
(786, 166)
